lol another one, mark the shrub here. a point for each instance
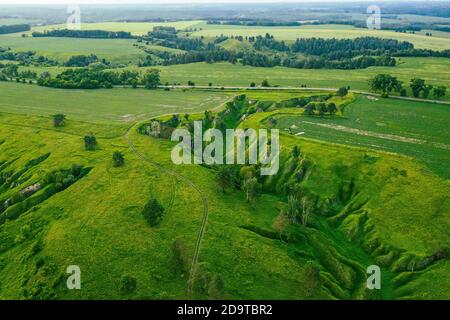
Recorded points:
(153, 212)
(118, 159)
(59, 120)
(128, 285)
(90, 142)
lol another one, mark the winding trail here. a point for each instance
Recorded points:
(204, 200)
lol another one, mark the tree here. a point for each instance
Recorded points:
(151, 79)
(265, 83)
(310, 108)
(153, 212)
(280, 224)
(191, 83)
(252, 85)
(385, 83)
(322, 108)
(251, 188)
(293, 208)
(342, 92)
(59, 120)
(90, 142)
(296, 152)
(439, 92)
(331, 108)
(118, 159)
(426, 91)
(224, 177)
(306, 211)
(417, 85)
(180, 256)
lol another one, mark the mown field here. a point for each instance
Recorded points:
(416, 129)
(97, 223)
(434, 70)
(118, 106)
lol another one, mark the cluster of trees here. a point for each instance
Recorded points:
(252, 22)
(168, 37)
(87, 78)
(26, 58)
(420, 88)
(92, 34)
(14, 28)
(348, 48)
(386, 84)
(84, 61)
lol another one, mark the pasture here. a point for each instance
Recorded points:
(61, 49)
(435, 71)
(436, 42)
(415, 129)
(119, 106)
(136, 28)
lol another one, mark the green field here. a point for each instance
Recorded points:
(415, 129)
(434, 70)
(61, 49)
(437, 42)
(375, 177)
(107, 237)
(119, 106)
(136, 28)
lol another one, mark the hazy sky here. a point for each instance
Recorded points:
(160, 1)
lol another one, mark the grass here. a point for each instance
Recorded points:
(136, 28)
(434, 70)
(110, 106)
(97, 223)
(61, 49)
(324, 31)
(412, 128)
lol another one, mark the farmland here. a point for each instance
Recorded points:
(88, 176)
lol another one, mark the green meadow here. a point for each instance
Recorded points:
(436, 42)
(434, 70)
(61, 49)
(97, 223)
(415, 129)
(120, 106)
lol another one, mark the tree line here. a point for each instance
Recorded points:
(87, 78)
(92, 34)
(14, 28)
(386, 84)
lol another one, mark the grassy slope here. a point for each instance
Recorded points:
(106, 235)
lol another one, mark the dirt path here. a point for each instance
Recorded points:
(204, 200)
